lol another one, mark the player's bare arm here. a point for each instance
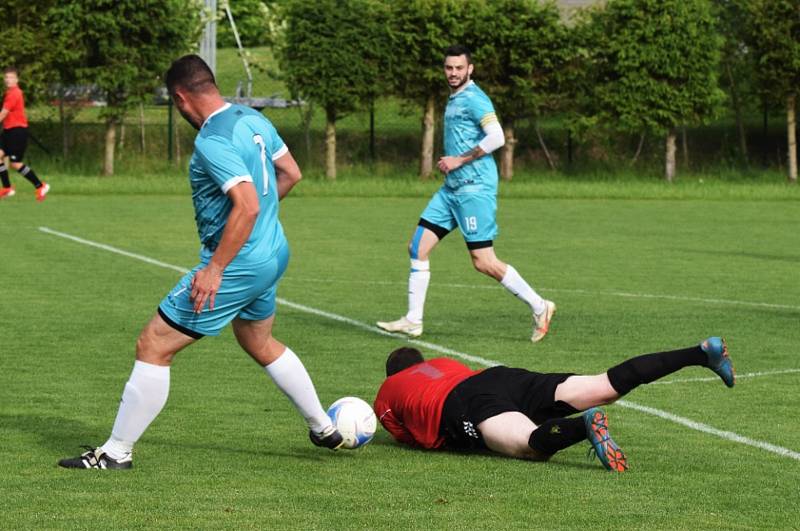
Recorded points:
(3, 115)
(241, 220)
(287, 173)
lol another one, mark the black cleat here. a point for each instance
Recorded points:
(96, 458)
(329, 438)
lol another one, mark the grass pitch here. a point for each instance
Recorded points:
(629, 276)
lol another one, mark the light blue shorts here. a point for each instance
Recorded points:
(247, 291)
(474, 213)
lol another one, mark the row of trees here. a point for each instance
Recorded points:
(648, 67)
(643, 67)
(121, 47)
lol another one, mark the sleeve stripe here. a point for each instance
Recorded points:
(488, 118)
(233, 181)
(284, 149)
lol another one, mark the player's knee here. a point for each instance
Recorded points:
(485, 266)
(147, 349)
(17, 165)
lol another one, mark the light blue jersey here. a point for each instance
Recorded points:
(236, 144)
(466, 113)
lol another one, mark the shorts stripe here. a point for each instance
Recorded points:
(180, 328)
(439, 231)
(480, 245)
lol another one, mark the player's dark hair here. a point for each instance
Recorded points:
(456, 50)
(402, 358)
(190, 73)
(10, 70)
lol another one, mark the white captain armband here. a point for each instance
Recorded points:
(494, 138)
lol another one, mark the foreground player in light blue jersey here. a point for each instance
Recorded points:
(468, 200)
(239, 171)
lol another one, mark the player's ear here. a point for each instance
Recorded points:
(470, 68)
(179, 96)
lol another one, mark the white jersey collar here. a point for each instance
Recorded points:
(462, 88)
(224, 108)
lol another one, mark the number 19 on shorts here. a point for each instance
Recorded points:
(471, 223)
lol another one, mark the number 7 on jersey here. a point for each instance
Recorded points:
(258, 139)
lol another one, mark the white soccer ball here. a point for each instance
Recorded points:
(355, 420)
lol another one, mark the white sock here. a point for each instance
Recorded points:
(418, 281)
(291, 377)
(514, 283)
(143, 399)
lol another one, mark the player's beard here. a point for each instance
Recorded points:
(461, 82)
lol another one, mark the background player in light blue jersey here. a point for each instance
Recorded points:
(468, 199)
(239, 171)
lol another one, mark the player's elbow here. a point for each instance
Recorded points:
(250, 210)
(295, 176)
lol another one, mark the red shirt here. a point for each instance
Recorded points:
(409, 403)
(15, 106)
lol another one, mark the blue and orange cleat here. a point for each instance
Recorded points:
(604, 447)
(718, 359)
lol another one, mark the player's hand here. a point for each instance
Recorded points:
(448, 164)
(205, 285)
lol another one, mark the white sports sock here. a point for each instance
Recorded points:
(143, 399)
(514, 283)
(418, 281)
(291, 377)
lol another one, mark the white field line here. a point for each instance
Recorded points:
(738, 377)
(705, 428)
(727, 435)
(681, 298)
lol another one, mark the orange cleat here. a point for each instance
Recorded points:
(7, 192)
(41, 192)
(606, 450)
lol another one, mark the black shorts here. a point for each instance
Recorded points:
(14, 142)
(499, 390)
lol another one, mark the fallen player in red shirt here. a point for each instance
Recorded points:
(442, 403)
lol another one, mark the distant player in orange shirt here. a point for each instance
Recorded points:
(14, 139)
(442, 403)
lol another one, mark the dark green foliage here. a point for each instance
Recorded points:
(23, 43)
(772, 30)
(331, 52)
(655, 64)
(421, 31)
(252, 22)
(123, 46)
(522, 59)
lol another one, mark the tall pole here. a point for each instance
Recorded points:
(170, 131)
(208, 41)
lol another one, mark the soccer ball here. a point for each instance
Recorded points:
(355, 420)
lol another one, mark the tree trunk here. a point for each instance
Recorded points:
(737, 109)
(638, 148)
(142, 143)
(765, 133)
(64, 132)
(507, 155)
(791, 136)
(178, 141)
(121, 135)
(670, 157)
(685, 148)
(569, 147)
(547, 154)
(330, 146)
(372, 131)
(428, 124)
(111, 141)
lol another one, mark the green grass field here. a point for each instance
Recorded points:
(630, 275)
